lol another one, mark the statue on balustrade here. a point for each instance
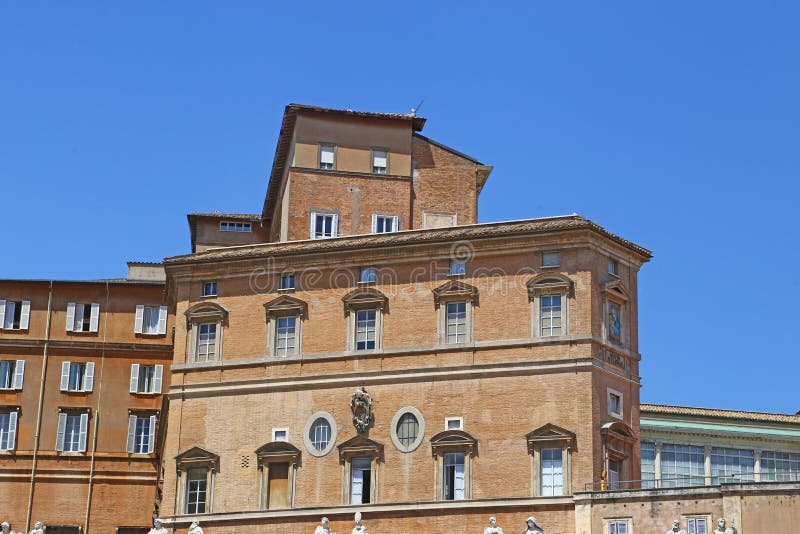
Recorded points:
(359, 528)
(158, 527)
(324, 527)
(6, 528)
(532, 527)
(493, 528)
(676, 528)
(721, 527)
(194, 528)
(38, 528)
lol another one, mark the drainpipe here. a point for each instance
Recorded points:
(97, 414)
(39, 409)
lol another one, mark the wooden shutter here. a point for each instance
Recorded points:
(2, 313)
(88, 378)
(84, 428)
(70, 316)
(279, 485)
(95, 317)
(19, 374)
(162, 319)
(137, 324)
(131, 433)
(64, 376)
(62, 428)
(151, 438)
(134, 378)
(25, 315)
(158, 376)
(12, 431)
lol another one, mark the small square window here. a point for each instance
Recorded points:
(327, 155)
(454, 423)
(458, 268)
(613, 267)
(551, 259)
(287, 281)
(618, 527)
(324, 225)
(382, 224)
(280, 434)
(209, 289)
(614, 403)
(369, 275)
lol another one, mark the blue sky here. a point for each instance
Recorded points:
(674, 124)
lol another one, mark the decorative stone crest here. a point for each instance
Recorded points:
(361, 406)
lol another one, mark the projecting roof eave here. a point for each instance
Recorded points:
(662, 410)
(410, 237)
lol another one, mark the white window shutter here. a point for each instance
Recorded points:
(131, 433)
(88, 378)
(134, 378)
(64, 376)
(374, 222)
(335, 225)
(395, 223)
(2, 313)
(158, 376)
(84, 429)
(25, 315)
(95, 317)
(312, 225)
(70, 316)
(19, 374)
(151, 439)
(137, 324)
(62, 428)
(162, 319)
(12, 430)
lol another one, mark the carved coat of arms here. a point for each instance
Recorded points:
(361, 406)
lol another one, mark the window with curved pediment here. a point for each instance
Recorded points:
(549, 295)
(618, 441)
(278, 462)
(204, 325)
(285, 316)
(550, 448)
(364, 309)
(453, 451)
(361, 457)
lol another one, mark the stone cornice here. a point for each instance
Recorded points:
(85, 345)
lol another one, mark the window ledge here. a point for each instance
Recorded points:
(367, 283)
(286, 290)
(78, 454)
(456, 276)
(550, 266)
(76, 391)
(144, 393)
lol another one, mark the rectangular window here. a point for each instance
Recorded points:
(285, 336)
(454, 423)
(615, 403)
(206, 342)
(456, 326)
(613, 267)
(77, 376)
(327, 155)
(365, 329)
(360, 480)
(614, 322)
(287, 281)
(550, 315)
(8, 430)
(12, 373)
(150, 320)
(453, 479)
(369, 275)
(780, 467)
(82, 317)
(146, 379)
(196, 491)
(280, 434)
(209, 289)
(697, 525)
(72, 428)
(618, 527)
(682, 465)
(227, 226)
(458, 268)
(732, 465)
(648, 465)
(382, 224)
(15, 314)
(141, 434)
(613, 474)
(324, 225)
(380, 160)
(552, 472)
(551, 259)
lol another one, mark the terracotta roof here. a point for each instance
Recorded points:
(666, 409)
(285, 139)
(410, 237)
(236, 216)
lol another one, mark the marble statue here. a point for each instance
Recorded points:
(721, 524)
(194, 528)
(323, 528)
(359, 528)
(493, 528)
(38, 528)
(158, 527)
(531, 527)
(6, 528)
(676, 528)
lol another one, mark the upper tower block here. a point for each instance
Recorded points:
(342, 172)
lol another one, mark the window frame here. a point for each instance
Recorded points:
(86, 378)
(368, 275)
(23, 322)
(334, 215)
(162, 316)
(615, 522)
(459, 420)
(284, 307)
(287, 276)
(73, 309)
(312, 450)
(373, 151)
(550, 436)
(455, 291)
(361, 300)
(195, 458)
(225, 226)
(8, 436)
(133, 432)
(613, 392)
(16, 375)
(546, 285)
(204, 313)
(395, 223)
(334, 150)
(207, 284)
(698, 517)
(277, 452)
(452, 442)
(544, 264)
(64, 415)
(420, 429)
(136, 379)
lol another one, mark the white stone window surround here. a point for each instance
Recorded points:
(394, 220)
(282, 307)
(307, 430)
(455, 291)
(609, 402)
(691, 521)
(281, 430)
(549, 284)
(196, 458)
(420, 432)
(618, 525)
(550, 436)
(364, 299)
(330, 219)
(199, 314)
(456, 422)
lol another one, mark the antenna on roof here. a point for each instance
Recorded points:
(414, 110)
